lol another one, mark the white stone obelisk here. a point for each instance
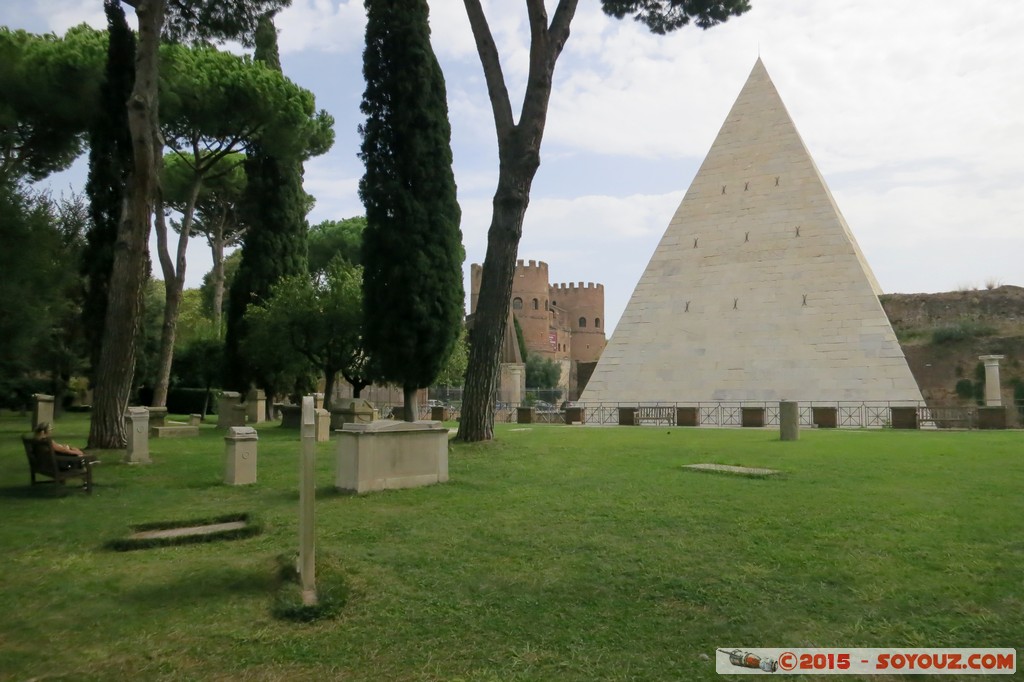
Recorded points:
(307, 497)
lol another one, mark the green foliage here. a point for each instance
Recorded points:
(231, 263)
(454, 371)
(202, 21)
(147, 343)
(664, 16)
(965, 389)
(274, 247)
(110, 162)
(307, 323)
(336, 238)
(198, 363)
(1018, 392)
(523, 353)
(218, 103)
(961, 331)
(412, 246)
(50, 88)
(542, 372)
(39, 286)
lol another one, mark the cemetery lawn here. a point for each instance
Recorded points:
(555, 553)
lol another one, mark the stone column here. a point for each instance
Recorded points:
(789, 420)
(256, 406)
(42, 409)
(240, 455)
(516, 381)
(136, 425)
(993, 397)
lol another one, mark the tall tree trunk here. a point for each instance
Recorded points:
(174, 285)
(116, 368)
(519, 159)
(412, 406)
(217, 250)
(488, 330)
(330, 378)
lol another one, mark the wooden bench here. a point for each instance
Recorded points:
(43, 461)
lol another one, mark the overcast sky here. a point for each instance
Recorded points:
(911, 110)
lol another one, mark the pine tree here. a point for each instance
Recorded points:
(110, 161)
(274, 208)
(412, 245)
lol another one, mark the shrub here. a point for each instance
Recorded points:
(965, 389)
(961, 331)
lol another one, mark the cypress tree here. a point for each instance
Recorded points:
(274, 208)
(412, 245)
(110, 162)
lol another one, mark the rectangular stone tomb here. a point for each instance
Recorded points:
(388, 454)
(173, 431)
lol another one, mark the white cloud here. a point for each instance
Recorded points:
(322, 25)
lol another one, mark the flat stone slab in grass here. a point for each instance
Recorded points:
(163, 534)
(729, 469)
(189, 530)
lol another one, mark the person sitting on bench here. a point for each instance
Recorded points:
(42, 432)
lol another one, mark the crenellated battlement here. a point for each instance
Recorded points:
(563, 288)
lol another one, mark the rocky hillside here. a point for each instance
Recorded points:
(943, 334)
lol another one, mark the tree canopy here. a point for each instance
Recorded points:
(49, 85)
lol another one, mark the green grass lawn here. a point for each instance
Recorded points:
(554, 553)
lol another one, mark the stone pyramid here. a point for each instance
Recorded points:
(757, 290)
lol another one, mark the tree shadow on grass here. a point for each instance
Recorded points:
(204, 586)
(45, 491)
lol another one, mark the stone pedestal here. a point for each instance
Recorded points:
(991, 417)
(574, 415)
(903, 417)
(225, 413)
(352, 411)
(752, 416)
(136, 425)
(323, 424)
(789, 420)
(318, 401)
(240, 455)
(195, 419)
(687, 416)
(824, 417)
(993, 396)
(627, 416)
(525, 415)
(256, 406)
(42, 409)
(388, 454)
